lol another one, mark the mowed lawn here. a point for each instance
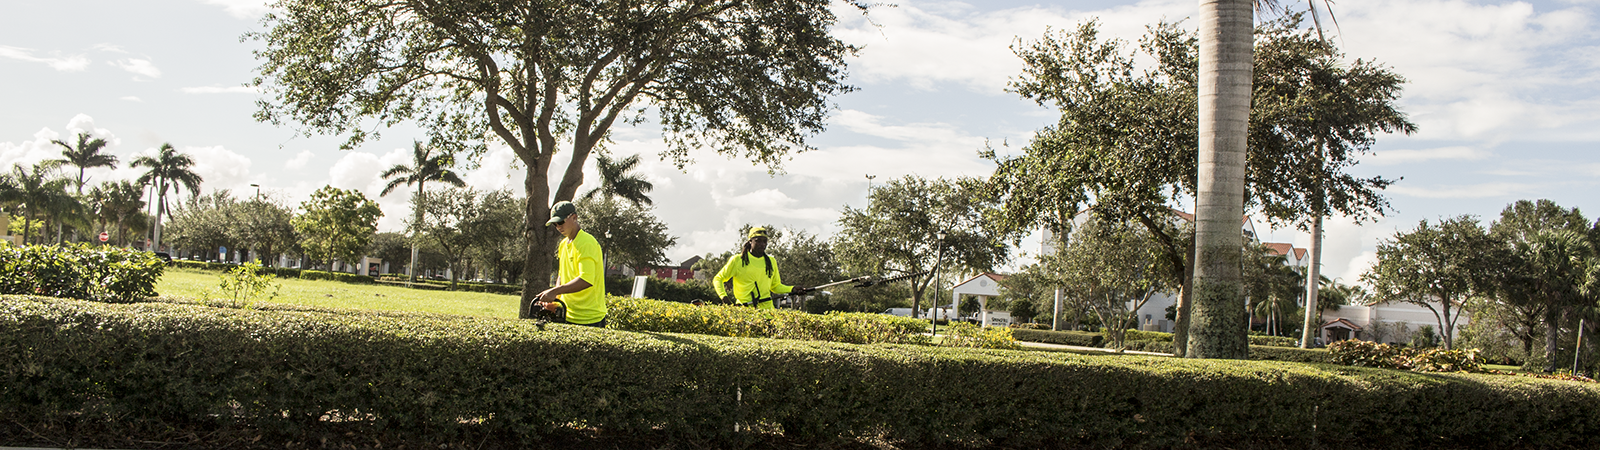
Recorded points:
(199, 284)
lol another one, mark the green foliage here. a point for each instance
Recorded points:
(1371, 354)
(335, 276)
(1289, 353)
(672, 317)
(282, 373)
(1441, 265)
(962, 334)
(1424, 337)
(663, 289)
(898, 231)
(1274, 341)
(79, 271)
(1078, 338)
(629, 234)
(336, 224)
(246, 282)
(1111, 268)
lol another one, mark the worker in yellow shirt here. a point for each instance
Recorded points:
(581, 276)
(754, 275)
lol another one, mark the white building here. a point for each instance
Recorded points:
(984, 287)
(1383, 323)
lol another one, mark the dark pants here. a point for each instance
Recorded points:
(600, 324)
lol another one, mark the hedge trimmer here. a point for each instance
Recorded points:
(862, 281)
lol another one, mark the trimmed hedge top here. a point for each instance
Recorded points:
(434, 377)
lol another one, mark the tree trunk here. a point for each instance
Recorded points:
(1313, 276)
(1226, 28)
(417, 212)
(541, 241)
(1552, 330)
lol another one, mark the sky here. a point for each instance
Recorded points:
(1506, 96)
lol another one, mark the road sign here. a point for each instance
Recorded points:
(104, 236)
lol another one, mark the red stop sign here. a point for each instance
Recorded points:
(104, 236)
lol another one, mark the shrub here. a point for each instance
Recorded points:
(154, 371)
(632, 314)
(1078, 338)
(968, 335)
(1274, 341)
(1371, 354)
(1030, 326)
(79, 271)
(335, 276)
(245, 282)
(663, 289)
(1139, 335)
(1294, 354)
(1152, 346)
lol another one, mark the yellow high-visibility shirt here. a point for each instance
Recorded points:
(580, 257)
(750, 281)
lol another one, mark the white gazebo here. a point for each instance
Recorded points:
(984, 287)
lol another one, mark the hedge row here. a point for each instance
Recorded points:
(147, 369)
(79, 271)
(663, 289)
(632, 314)
(1078, 338)
(280, 272)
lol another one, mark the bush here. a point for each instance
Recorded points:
(1371, 354)
(663, 289)
(1078, 338)
(1293, 354)
(1138, 335)
(79, 271)
(632, 314)
(1274, 341)
(972, 336)
(335, 276)
(1152, 346)
(208, 375)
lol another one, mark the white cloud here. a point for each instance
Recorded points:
(131, 98)
(1392, 157)
(1482, 190)
(243, 9)
(1483, 71)
(75, 63)
(138, 67)
(221, 168)
(927, 43)
(299, 161)
(218, 90)
(360, 171)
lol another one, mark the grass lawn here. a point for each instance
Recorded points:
(203, 284)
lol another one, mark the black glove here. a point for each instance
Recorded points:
(727, 299)
(799, 291)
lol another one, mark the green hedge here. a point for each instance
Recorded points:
(1078, 338)
(663, 289)
(154, 371)
(632, 314)
(79, 271)
(335, 276)
(1277, 353)
(1274, 341)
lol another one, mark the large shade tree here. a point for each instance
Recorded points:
(898, 233)
(425, 166)
(336, 225)
(1125, 141)
(1439, 267)
(1554, 256)
(167, 169)
(743, 79)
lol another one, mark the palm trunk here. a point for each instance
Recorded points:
(1313, 277)
(1224, 113)
(161, 206)
(418, 224)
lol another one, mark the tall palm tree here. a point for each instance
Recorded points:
(1227, 50)
(38, 191)
(168, 169)
(85, 155)
(425, 167)
(617, 182)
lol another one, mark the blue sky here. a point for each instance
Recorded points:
(1505, 94)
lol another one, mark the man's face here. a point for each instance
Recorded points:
(758, 244)
(569, 227)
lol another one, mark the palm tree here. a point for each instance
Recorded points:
(85, 155)
(616, 182)
(168, 169)
(118, 201)
(1227, 29)
(424, 167)
(37, 191)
